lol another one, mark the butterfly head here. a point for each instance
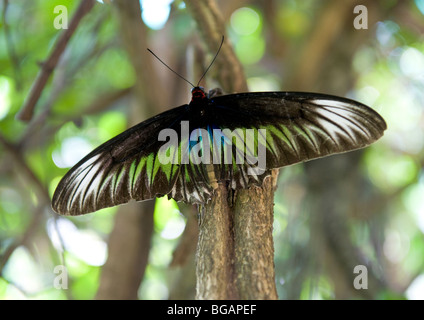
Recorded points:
(198, 94)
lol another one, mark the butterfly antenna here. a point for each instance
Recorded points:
(210, 65)
(170, 68)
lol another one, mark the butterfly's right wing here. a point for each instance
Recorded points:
(297, 127)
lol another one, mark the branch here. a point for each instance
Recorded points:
(62, 80)
(27, 110)
(41, 190)
(254, 253)
(215, 270)
(212, 27)
(36, 135)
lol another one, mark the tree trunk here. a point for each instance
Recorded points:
(235, 254)
(215, 249)
(254, 245)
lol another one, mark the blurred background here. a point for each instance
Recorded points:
(361, 208)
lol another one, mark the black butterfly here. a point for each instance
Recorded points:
(236, 139)
(298, 127)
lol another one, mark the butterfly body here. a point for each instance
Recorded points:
(238, 138)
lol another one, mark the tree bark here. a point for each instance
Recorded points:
(235, 254)
(27, 110)
(254, 245)
(215, 250)
(230, 72)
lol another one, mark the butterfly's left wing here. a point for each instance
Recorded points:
(292, 127)
(123, 168)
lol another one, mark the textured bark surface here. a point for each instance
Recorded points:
(254, 246)
(235, 254)
(215, 250)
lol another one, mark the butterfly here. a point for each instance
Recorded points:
(235, 139)
(291, 127)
